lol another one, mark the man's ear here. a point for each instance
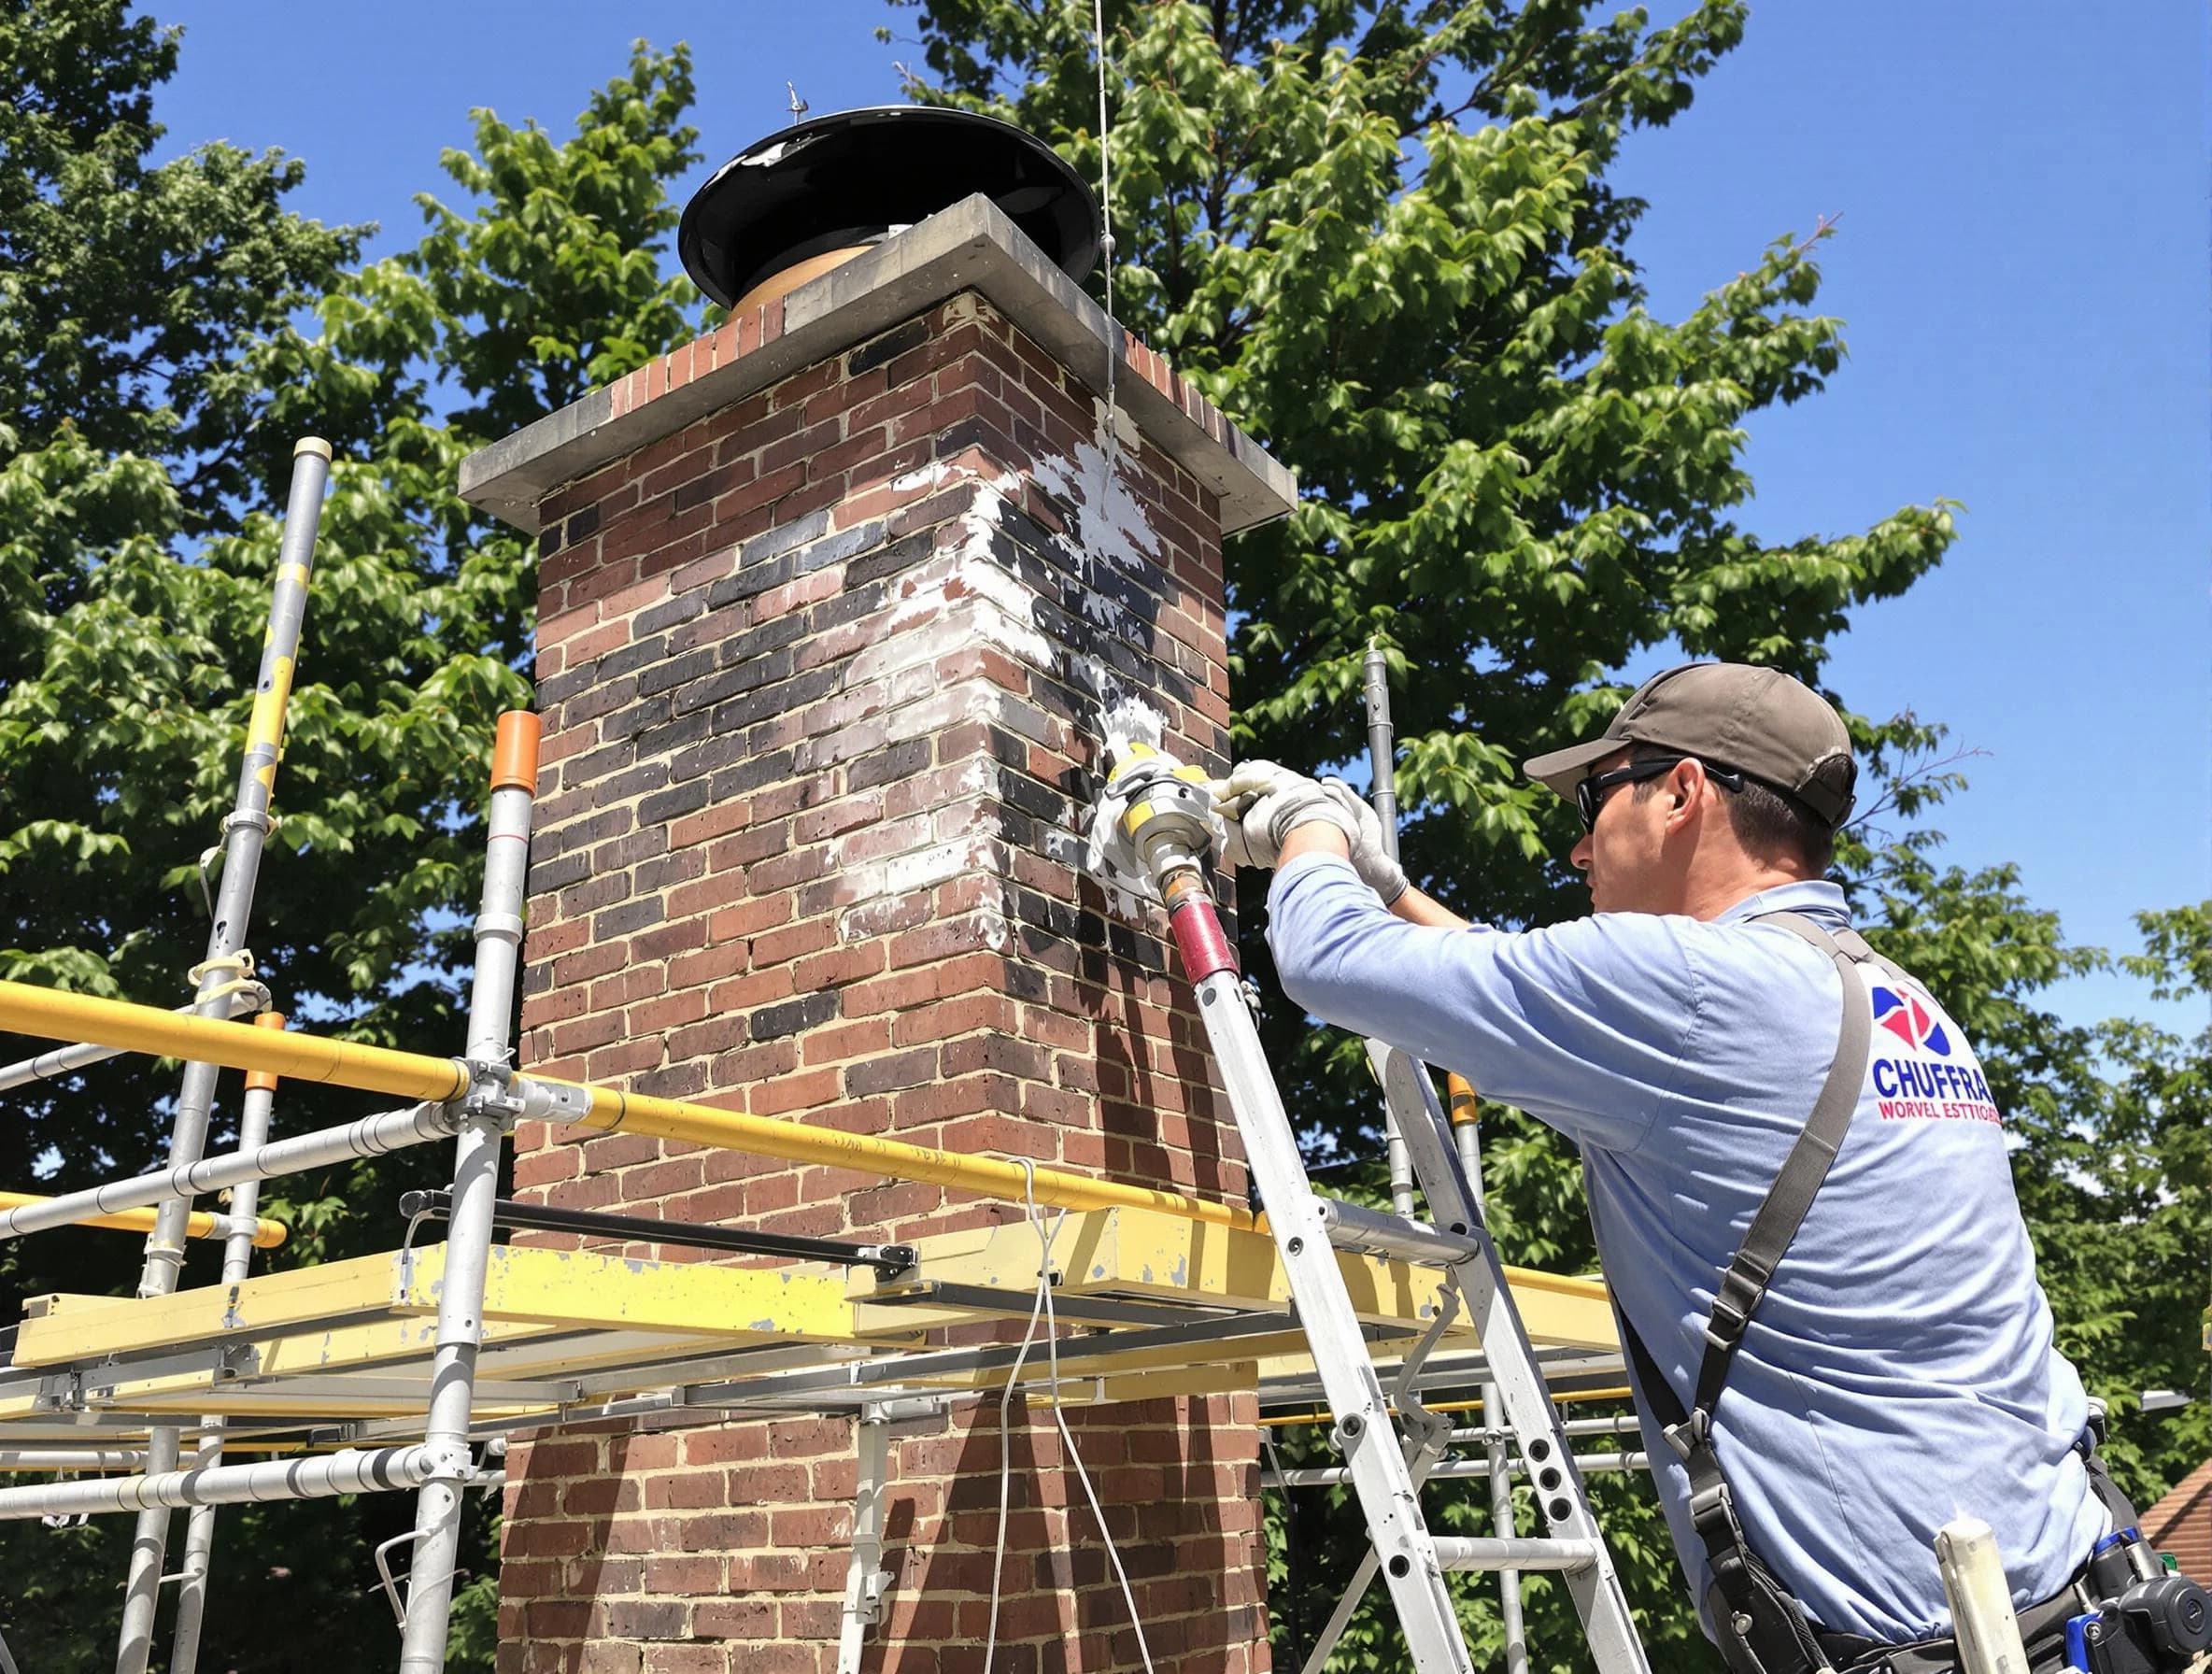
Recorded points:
(1682, 786)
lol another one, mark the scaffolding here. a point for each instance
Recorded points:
(406, 1370)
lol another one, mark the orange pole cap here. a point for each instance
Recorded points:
(1466, 1107)
(264, 1081)
(515, 752)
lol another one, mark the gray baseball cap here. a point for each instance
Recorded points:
(1758, 721)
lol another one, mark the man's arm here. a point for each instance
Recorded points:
(1413, 906)
(1581, 1025)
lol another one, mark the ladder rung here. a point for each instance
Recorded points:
(1516, 1555)
(1355, 1227)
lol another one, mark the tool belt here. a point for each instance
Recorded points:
(1760, 1627)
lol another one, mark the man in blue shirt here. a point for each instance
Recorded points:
(1898, 1371)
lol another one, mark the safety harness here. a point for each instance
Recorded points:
(1761, 1627)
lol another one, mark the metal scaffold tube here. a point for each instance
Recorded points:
(371, 1136)
(226, 1486)
(246, 831)
(1383, 793)
(237, 1262)
(476, 1191)
(266, 1234)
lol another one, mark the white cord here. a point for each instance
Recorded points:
(1105, 169)
(1114, 344)
(1037, 1313)
(1041, 1311)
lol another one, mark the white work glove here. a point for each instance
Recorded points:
(1371, 856)
(1263, 803)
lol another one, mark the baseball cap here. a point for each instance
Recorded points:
(1758, 721)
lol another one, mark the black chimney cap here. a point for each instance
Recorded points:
(849, 176)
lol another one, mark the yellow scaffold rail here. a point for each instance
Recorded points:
(54, 1016)
(267, 1234)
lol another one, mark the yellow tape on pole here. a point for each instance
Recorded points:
(53, 1015)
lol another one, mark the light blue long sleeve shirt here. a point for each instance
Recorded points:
(1900, 1372)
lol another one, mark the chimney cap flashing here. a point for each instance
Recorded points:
(973, 247)
(849, 176)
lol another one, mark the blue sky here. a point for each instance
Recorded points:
(2021, 259)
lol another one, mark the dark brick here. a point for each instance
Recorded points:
(884, 1074)
(632, 915)
(629, 722)
(784, 697)
(627, 851)
(897, 762)
(888, 347)
(681, 608)
(899, 554)
(674, 735)
(772, 1022)
(701, 490)
(581, 524)
(751, 774)
(628, 659)
(559, 873)
(703, 758)
(847, 605)
(747, 583)
(640, 780)
(596, 764)
(768, 636)
(839, 546)
(556, 689)
(677, 670)
(783, 538)
(673, 804)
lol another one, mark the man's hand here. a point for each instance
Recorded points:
(1371, 855)
(1263, 803)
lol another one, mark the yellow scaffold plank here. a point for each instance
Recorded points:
(381, 1308)
(1136, 1254)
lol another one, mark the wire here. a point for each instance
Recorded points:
(1105, 174)
(1041, 1313)
(1113, 332)
(1037, 1313)
(1060, 1418)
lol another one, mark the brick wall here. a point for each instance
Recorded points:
(823, 676)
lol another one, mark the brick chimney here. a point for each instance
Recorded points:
(833, 603)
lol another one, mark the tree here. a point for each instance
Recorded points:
(1380, 235)
(154, 384)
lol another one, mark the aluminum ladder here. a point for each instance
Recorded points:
(1159, 817)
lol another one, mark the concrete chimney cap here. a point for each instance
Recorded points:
(851, 176)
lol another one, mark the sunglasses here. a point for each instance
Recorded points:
(1590, 793)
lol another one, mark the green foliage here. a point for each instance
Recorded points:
(1380, 235)
(155, 381)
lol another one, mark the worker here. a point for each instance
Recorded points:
(1809, 1435)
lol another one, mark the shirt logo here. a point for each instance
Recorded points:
(1909, 1021)
(1928, 1079)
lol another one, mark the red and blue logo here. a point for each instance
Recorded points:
(1909, 1021)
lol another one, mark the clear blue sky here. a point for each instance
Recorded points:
(2020, 260)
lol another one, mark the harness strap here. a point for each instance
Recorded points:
(1803, 1170)
(1769, 1630)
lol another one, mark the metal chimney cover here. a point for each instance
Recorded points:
(849, 176)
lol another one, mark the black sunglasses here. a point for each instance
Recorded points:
(1590, 793)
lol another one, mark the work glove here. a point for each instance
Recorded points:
(1371, 854)
(1263, 803)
